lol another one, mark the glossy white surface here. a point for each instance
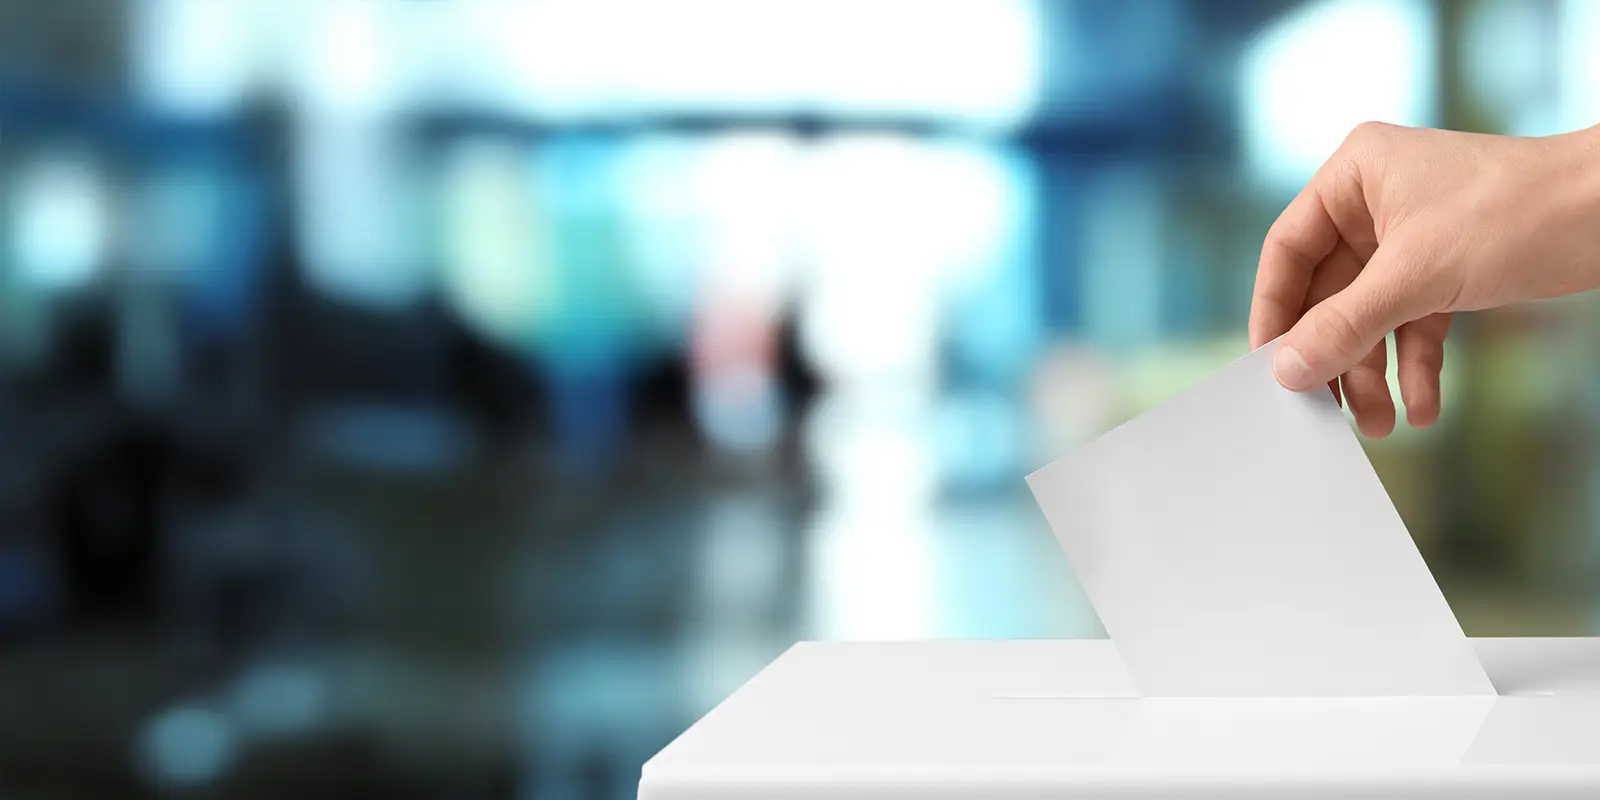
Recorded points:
(1035, 719)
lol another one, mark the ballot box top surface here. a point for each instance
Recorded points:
(1062, 718)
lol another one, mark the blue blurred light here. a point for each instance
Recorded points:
(740, 409)
(593, 693)
(593, 317)
(280, 699)
(359, 238)
(1506, 61)
(1002, 575)
(666, 228)
(27, 584)
(979, 439)
(403, 439)
(996, 319)
(188, 746)
(202, 226)
(1126, 238)
(589, 408)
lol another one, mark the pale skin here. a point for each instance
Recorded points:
(1402, 228)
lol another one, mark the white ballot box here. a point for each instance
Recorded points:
(1062, 719)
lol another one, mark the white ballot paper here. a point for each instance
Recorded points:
(1235, 541)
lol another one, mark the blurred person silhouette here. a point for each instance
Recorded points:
(1401, 228)
(108, 521)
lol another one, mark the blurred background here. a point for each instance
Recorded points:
(458, 398)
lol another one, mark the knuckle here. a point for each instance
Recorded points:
(1371, 130)
(1431, 359)
(1368, 141)
(1263, 301)
(1335, 327)
(1283, 240)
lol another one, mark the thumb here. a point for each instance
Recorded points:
(1341, 330)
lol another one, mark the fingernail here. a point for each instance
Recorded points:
(1291, 369)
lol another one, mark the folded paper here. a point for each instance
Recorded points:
(1235, 541)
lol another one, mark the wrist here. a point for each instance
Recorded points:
(1578, 196)
(1585, 164)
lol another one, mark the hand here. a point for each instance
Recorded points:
(1402, 227)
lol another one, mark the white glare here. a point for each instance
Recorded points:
(977, 61)
(62, 221)
(196, 57)
(869, 310)
(1302, 91)
(1580, 64)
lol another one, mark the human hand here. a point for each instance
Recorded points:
(1402, 227)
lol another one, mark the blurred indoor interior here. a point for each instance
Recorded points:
(456, 399)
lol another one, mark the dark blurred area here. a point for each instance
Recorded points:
(458, 398)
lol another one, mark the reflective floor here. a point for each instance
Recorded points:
(496, 627)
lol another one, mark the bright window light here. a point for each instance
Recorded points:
(869, 311)
(878, 258)
(348, 62)
(745, 187)
(971, 205)
(978, 61)
(554, 58)
(894, 228)
(1303, 92)
(680, 56)
(906, 56)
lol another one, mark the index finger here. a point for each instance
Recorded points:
(1303, 235)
